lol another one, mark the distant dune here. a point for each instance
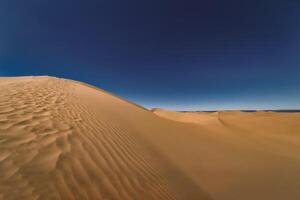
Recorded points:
(62, 139)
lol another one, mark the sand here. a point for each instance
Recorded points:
(62, 139)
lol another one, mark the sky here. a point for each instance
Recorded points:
(175, 54)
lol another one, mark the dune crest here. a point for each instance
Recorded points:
(188, 117)
(63, 140)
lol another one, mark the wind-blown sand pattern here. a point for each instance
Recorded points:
(62, 139)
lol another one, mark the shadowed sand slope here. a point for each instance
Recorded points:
(62, 139)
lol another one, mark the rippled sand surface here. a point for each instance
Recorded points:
(62, 139)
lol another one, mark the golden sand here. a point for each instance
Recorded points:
(62, 139)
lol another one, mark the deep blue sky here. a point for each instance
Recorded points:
(179, 54)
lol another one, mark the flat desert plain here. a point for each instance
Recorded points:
(62, 139)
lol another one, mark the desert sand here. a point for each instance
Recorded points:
(63, 139)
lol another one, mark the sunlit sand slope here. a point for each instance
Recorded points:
(61, 139)
(239, 155)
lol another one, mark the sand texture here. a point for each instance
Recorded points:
(62, 139)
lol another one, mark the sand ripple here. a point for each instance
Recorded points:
(53, 146)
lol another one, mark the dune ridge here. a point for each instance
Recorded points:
(63, 139)
(55, 145)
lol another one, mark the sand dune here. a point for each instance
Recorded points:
(62, 139)
(240, 155)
